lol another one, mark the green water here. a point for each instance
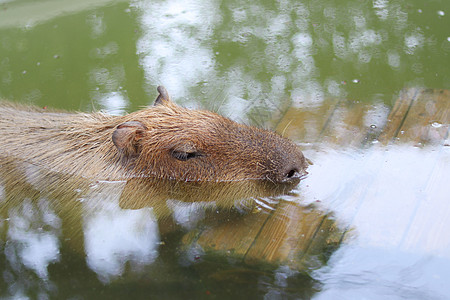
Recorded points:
(231, 56)
(248, 61)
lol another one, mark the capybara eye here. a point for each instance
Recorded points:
(183, 155)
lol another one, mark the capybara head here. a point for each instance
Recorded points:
(171, 142)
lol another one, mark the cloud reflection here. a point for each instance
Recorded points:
(370, 191)
(115, 237)
(34, 235)
(395, 200)
(188, 214)
(175, 49)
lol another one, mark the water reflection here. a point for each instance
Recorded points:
(117, 225)
(383, 273)
(33, 235)
(115, 237)
(371, 191)
(29, 14)
(396, 202)
(283, 52)
(392, 201)
(240, 59)
(178, 42)
(188, 214)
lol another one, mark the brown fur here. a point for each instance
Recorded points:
(164, 141)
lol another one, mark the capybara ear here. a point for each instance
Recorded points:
(163, 97)
(127, 135)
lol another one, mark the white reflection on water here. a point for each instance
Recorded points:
(396, 201)
(173, 42)
(381, 8)
(376, 116)
(31, 13)
(115, 103)
(97, 24)
(188, 214)
(108, 91)
(374, 273)
(413, 42)
(305, 52)
(393, 59)
(115, 237)
(33, 246)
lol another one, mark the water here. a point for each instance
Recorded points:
(277, 64)
(234, 57)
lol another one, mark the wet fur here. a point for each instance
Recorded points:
(81, 144)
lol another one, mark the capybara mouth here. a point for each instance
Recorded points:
(295, 178)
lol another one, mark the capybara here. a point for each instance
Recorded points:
(162, 141)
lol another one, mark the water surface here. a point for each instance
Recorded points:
(277, 64)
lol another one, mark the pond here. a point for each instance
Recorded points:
(360, 86)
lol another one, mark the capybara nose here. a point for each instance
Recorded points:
(293, 172)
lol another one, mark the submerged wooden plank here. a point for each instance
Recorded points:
(232, 238)
(398, 114)
(428, 119)
(342, 123)
(289, 226)
(347, 127)
(307, 124)
(411, 121)
(428, 229)
(420, 117)
(287, 236)
(292, 235)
